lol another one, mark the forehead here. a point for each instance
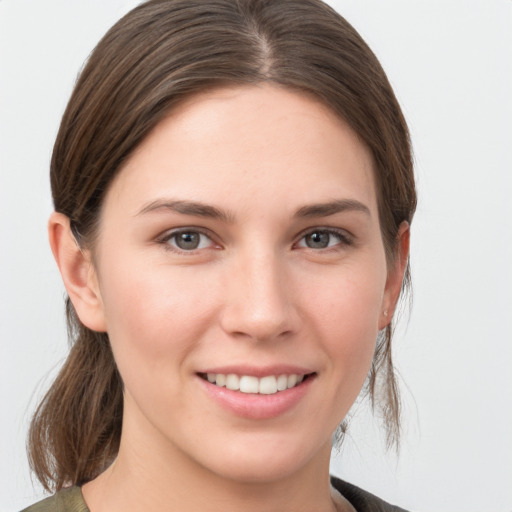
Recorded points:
(243, 144)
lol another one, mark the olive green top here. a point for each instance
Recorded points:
(71, 500)
(66, 500)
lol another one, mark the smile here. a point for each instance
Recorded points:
(267, 385)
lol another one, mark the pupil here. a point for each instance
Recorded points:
(317, 240)
(187, 240)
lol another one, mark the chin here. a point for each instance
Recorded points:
(267, 461)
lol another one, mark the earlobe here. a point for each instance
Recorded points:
(78, 273)
(395, 275)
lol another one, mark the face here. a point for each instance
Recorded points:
(243, 282)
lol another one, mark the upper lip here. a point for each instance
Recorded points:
(258, 371)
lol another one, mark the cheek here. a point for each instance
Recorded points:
(154, 314)
(347, 313)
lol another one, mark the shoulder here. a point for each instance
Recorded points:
(362, 500)
(66, 500)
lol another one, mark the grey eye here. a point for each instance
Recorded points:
(323, 239)
(188, 240)
(318, 239)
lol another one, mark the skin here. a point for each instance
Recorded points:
(253, 291)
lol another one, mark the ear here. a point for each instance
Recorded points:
(395, 275)
(78, 273)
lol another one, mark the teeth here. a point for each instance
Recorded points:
(232, 382)
(267, 385)
(292, 380)
(249, 384)
(282, 382)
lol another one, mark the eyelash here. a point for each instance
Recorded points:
(172, 235)
(344, 238)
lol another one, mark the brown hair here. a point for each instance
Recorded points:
(158, 54)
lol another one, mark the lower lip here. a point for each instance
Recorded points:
(255, 406)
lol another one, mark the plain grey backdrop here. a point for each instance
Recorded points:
(450, 62)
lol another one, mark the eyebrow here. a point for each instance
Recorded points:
(331, 208)
(193, 208)
(198, 209)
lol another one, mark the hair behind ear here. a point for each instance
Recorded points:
(87, 395)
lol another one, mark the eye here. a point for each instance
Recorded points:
(323, 239)
(187, 240)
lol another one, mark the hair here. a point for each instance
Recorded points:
(160, 53)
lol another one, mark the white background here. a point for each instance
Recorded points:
(451, 65)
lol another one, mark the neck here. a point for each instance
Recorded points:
(158, 476)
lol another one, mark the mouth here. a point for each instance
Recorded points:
(267, 385)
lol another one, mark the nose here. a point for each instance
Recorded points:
(259, 299)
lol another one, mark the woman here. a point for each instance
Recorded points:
(233, 191)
